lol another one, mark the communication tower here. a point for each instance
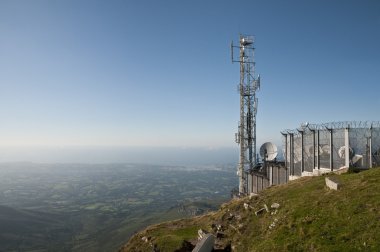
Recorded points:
(249, 84)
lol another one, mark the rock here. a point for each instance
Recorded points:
(275, 205)
(201, 234)
(246, 206)
(145, 239)
(332, 183)
(216, 227)
(219, 227)
(260, 211)
(273, 225)
(266, 208)
(253, 195)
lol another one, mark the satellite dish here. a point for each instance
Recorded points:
(268, 151)
(325, 149)
(309, 149)
(342, 152)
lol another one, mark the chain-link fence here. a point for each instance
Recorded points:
(271, 173)
(320, 148)
(325, 146)
(376, 146)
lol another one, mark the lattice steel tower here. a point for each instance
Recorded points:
(249, 84)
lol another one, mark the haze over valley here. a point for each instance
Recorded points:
(116, 115)
(97, 207)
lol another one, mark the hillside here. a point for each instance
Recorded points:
(310, 217)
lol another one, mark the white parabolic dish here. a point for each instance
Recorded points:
(270, 149)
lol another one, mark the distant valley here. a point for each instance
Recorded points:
(97, 207)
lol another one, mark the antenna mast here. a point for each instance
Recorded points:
(249, 84)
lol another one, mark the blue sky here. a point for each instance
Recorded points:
(159, 73)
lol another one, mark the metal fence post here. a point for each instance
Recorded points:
(347, 147)
(318, 158)
(331, 149)
(370, 147)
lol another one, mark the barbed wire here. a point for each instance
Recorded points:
(308, 127)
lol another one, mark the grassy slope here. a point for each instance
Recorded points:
(310, 218)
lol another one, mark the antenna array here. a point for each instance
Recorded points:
(249, 84)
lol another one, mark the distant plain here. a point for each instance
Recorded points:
(97, 207)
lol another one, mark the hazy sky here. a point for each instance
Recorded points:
(159, 73)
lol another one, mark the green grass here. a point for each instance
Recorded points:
(311, 217)
(170, 241)
(314, 218)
